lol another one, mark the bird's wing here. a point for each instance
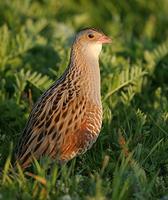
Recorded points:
(58, 126)
(44, 129)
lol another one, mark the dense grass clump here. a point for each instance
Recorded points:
(130, 158)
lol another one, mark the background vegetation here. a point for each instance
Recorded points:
(130, 158)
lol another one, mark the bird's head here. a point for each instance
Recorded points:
(90, 41)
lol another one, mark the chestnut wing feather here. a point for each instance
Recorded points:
(58, 126)
(40, 136)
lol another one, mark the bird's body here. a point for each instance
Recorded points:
(67, 118)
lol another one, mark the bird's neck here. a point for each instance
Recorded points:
(85, 65)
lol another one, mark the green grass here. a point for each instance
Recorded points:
(130, 158)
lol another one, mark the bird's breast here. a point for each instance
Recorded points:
(90, 83)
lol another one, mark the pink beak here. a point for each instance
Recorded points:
(104, 39)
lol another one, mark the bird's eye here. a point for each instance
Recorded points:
(90, 35)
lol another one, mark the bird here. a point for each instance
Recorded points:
(67, 118)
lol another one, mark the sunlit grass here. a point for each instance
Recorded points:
(129, 159)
